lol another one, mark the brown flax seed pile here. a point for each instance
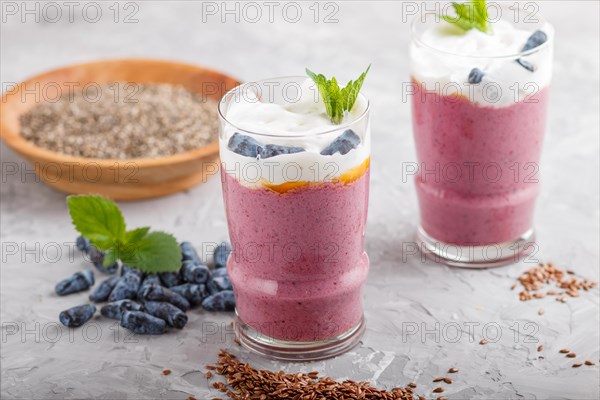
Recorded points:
(245, 382)
(537, 279)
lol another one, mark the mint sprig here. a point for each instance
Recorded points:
(337, 100)
(469, 15)
(101, 221)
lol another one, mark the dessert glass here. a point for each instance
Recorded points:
(297, 224)
(478, 147)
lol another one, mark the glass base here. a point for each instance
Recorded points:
(297, 351)
(492, 255)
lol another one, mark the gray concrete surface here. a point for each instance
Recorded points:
(39, 360)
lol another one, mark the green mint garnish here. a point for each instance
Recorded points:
(337, 100)
(472, 14)
(100, 220)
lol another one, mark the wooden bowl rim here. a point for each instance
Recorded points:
(15, 141)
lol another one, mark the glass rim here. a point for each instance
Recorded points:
(416, 39)
(327, 130)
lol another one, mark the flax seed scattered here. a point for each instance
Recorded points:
(448, 381)
(166, 372)
(577, 365)
(483, 341)
(414, 385)
(571, 355)
(453, 370)
(191, 398)
(123, 121)
(246, 382)
(540, 348)
(538, 278)
(442, 398)
(438, 390)
(208, 375)
(564, 351)
(441, 378)
(588, 362)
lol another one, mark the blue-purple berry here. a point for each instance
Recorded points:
(221, 254)
(143, 323)
(77, 282)
(103, 290)
(272, 150)
(536, 39)
(83, 244)
(475, 76)
(161, 293)
(222, 283)
(218, 272)
(172, 315)
(128, 286)
(97, 258)
(116, 309)
(342, 144)
(77, 316)
(188, 253)
(192, 292)
(525, 64)
(150, 279)
(244, 145)
(212, 287)
(194, 272)
(221, 301)
(170, 279)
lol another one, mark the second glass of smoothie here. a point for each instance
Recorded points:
(479, 103)
(296, 191)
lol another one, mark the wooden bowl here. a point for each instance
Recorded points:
(134, 179)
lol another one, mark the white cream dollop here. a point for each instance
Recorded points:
(445, 68)
(298, 119)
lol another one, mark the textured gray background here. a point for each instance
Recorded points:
(37, 364)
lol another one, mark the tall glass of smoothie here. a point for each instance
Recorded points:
(479, 102)
(296, 191)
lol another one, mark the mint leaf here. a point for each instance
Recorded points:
(136, 234)
(98, 219)
(155, 252)
(337, 100)
(101, 221)
(352, 89)
(472, 14)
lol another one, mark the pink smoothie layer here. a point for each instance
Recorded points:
(299, 261)
(478, 177)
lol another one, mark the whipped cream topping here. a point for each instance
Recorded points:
(445, 68)
(298, 120)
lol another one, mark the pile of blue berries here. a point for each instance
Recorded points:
(149, 303)
(249, 147)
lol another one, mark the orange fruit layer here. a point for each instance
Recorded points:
(346, 178)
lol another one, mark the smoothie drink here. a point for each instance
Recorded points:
(479, 115)
(296, 193)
